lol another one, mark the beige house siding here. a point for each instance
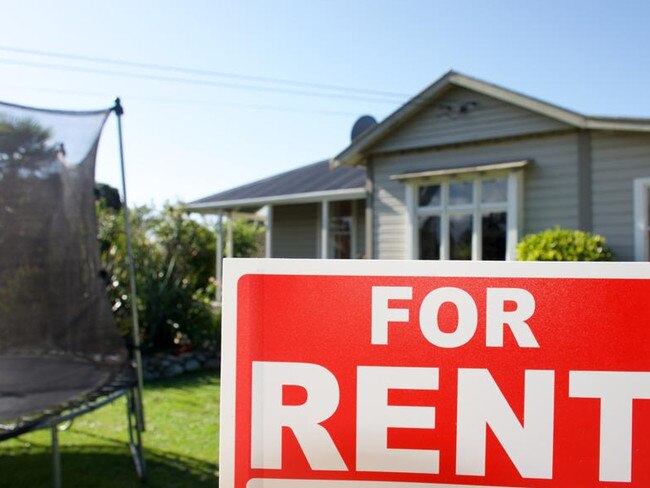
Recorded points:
(295, 231)
(617, 159)
(441, 123)
(550, 184)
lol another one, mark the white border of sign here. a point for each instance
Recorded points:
(278, 483)
(236, 268)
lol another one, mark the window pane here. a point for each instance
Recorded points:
(429, 228)
(340, 238)
(460, 237)
(460, 193)
(494, 191)
(429, 196)
(341, 246)
(494, 236)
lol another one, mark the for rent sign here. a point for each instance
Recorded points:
(393, 374)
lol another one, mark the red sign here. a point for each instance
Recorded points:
(426, 375)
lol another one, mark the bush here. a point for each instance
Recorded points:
(563, 245)
(248, 239)
(174, 256)
(174, 259)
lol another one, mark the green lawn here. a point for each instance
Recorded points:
(181, 442)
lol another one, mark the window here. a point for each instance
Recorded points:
(473, 218)
(341, 230)
(642, 219)
(339, 224)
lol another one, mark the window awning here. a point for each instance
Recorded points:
(476, 168)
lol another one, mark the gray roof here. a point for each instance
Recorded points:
(315, 178)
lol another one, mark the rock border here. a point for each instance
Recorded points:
(161, 366)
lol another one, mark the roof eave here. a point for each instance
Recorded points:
(295, 198)
(524, 101)
(618, 124)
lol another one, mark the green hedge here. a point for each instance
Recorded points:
(563, 245)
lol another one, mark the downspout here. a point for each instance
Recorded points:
(370, 199)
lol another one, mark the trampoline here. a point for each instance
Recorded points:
(61, 354)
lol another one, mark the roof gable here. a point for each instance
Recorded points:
(355, 152)
(461, 115)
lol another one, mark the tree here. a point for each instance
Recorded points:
(174, 259)
(247, 238)
(26, 154)
(174, 256)
(109, 195)
(25, 140)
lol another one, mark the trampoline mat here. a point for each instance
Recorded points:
(31, 385)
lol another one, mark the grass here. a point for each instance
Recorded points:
(181, 442)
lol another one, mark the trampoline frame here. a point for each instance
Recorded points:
(111, 391)
(91, 402)
(134, 429)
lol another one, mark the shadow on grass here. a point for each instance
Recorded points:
(103, 467)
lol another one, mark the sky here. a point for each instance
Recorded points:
(254, 88)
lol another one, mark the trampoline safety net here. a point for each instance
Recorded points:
(58, 341)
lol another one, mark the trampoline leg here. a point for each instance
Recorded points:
(138, 406)
(135, 443)
(56, 458)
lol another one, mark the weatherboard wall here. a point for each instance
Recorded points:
(550, 183)
(295, 233)
(618, 158)
(462, 115)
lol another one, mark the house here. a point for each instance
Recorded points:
(463, 170)
(298, 204)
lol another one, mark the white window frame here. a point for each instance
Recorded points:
(641, 228)
(324, 233)
(513, 207)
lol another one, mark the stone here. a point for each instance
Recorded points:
(150, 375)
(173, 370)
(212, 363)
(192, 365)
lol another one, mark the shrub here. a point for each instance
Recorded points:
(174, 258)
(563, 245)
(248, 239)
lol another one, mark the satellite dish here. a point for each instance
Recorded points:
(362, 124)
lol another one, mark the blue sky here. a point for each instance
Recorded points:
(188, 140)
